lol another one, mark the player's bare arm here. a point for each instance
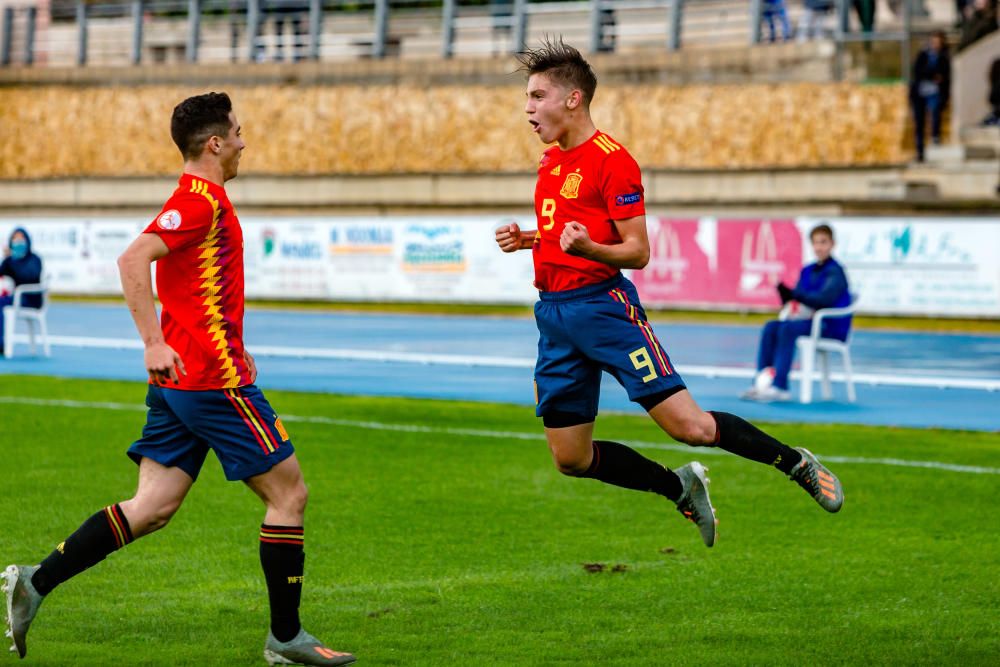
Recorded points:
(631, 253)
(251, 366)
(162, 362)
(510, 238)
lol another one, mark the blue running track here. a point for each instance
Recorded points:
(903, 379)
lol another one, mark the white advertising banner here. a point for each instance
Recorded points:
(447, 258)
(918, 266)
(79, 255)
(906, 266)
(453, 259)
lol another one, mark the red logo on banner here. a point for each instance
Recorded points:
(725, 262)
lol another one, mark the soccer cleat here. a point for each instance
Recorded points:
(817, 479)
(303, 649)
(694, 503)
(22, 604)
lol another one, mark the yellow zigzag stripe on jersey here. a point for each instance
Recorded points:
(210, 287)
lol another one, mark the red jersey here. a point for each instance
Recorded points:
(593, 184)
(200, 284)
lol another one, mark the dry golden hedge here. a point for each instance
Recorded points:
(53, 131)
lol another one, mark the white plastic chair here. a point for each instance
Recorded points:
(34, 318)
(814, 346)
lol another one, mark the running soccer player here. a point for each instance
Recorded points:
(591, 224)
(201, 394)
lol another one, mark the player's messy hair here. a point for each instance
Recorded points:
(197, 119)
(561, 63)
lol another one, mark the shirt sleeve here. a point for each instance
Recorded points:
(621, 186)
(832, 285)
(184, 221)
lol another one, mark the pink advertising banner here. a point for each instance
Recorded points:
(699, 262)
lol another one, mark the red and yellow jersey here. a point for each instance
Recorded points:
(200, 285)
(593, 184)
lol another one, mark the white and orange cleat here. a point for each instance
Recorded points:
(22, 604)
(694, 503)
(303, 649)
(818, 481)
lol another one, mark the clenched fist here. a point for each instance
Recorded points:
(509, 237)
(575, 240)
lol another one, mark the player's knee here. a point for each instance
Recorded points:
(147, 518)
(570, 463)
(292, 501)
(300, 498)
(571, 469)
(695, 430)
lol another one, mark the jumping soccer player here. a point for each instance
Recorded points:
(591, 224)
(201, 393)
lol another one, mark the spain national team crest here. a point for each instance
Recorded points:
(571, 186)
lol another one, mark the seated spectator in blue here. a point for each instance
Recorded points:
(775, 9)
(822, 284)
(24, 268)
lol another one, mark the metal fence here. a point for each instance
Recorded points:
(78, 32)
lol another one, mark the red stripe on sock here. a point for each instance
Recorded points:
(122, 522)
(277, 529)
(114, 529)
(280, 541)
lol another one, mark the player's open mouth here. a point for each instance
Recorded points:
(535, 127)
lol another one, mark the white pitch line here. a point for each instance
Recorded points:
(505, 435)
(937, 379)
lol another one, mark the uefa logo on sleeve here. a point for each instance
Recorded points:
(169, 219)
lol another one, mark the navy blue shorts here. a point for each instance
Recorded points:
(596, 328)
(238, 424)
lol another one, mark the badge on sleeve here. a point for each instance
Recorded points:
(169, 220)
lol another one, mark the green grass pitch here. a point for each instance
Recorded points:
(434, 545)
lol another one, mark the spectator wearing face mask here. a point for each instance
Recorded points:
(24, 268)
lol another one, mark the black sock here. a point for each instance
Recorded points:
(283, 560)
(742, 438)
(619, 465)
(98, 536)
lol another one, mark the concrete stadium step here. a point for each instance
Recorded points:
(901, 189)
(980, 142)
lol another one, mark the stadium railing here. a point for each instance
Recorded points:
(80, 32)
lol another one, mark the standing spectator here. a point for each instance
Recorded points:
(960, 6)
(24, 268)
(980, 20)
(929, 89)
(608, 26)
(295, 13)
(813, 19)
(866, 14)
(775, 9)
